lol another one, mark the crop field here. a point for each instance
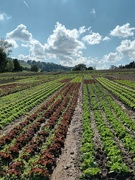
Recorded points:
(67, 126)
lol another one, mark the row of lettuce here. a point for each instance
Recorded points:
(125, 91)
(115, 130)
(19, 103)
(30, 149)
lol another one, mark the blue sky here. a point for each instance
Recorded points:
(98, 33)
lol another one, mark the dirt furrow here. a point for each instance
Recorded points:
(68, 165)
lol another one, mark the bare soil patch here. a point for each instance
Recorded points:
(68, 165)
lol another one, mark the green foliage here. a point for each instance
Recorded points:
(26, 101)
(9, 65)
(90, 68)
(3, 60)
(79, 67)
(90, 172)
(130, 65)
(6, 46)
(5, 65)
(17, 66)
(34, 68)
(126, 94)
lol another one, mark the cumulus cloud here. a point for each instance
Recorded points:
(107, 60)
(20, 33)
(111, 57)
(37, 49)
(127, 48)
(64, 44)
(92, 39)
(123, 31)
(12, 42)
(4, 16)
(25, 57)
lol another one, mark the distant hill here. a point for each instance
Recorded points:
(43, 66)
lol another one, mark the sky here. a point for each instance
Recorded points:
(97, 33)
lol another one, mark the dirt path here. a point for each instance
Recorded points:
(68, 165)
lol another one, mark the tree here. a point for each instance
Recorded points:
(34, 68)
(10, 65)
(5, 49)
(79, 67)
(17, 66)
(90, 68)
(6, 46)
(3, 60)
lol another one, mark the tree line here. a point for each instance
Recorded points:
(127, 66)
(8, 64)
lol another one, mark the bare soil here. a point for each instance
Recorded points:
(68, 165)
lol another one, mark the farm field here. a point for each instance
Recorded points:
(67, 126)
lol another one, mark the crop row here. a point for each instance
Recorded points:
(97, 101)
(128, 83)
(118, 120)
(15, 110)
(42, 83)
(33, 153)
(19, 85)
(124, 93)
(24, 125)
(89, 166)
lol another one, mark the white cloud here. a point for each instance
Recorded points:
(123, 31)
(127, 48)
(25, 57)
(83, 30)
(4, 16)
(25, 45)
(106, 38)
(111, 57)
(37, 49)
(92, 39)
(12, 42)
(64, 44)
(20, 33)
(106, 61)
